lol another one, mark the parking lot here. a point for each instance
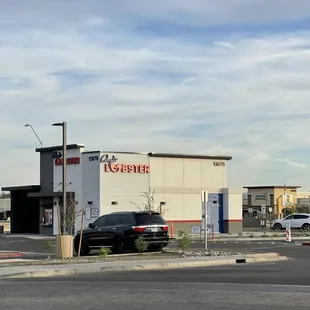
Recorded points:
(293, 249)
(272, 285)
(35, 248)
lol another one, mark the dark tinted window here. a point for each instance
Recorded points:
(249, 201)
(271, 200)
(289, 217)
(100, 221)
(126, 219)
(300, 217)
(113, 220)
(149, 219)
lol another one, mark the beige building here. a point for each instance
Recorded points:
(178, 181)
(274, 198)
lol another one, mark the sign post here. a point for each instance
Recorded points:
(288, 236)
(205, 217)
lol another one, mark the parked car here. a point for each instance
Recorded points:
(119, 230)
(296, 221)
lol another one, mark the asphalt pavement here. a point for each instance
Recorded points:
(283, 285)
(293, 250)
(22, 244)
(259, 286)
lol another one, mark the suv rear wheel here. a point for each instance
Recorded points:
(85, 250)
(118, 245)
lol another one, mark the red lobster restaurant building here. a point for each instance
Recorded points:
(104, 182)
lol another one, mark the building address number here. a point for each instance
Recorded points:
(219, 163)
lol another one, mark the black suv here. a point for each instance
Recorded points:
(119, 230)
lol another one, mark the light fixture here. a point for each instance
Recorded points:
(35, 133)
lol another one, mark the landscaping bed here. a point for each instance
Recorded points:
(165, 254)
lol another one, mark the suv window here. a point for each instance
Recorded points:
(100, 221)
(290, 217)
(126, 219)
(300, 217)
(112, 219)
(149, 219)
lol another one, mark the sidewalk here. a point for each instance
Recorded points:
(117, 266)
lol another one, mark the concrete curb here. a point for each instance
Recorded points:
(7, 255)
(189, 263)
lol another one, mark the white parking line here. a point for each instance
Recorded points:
(278, 246)
(10, 242)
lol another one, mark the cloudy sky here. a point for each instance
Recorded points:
(203, 76)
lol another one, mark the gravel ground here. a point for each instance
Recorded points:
(199, 252)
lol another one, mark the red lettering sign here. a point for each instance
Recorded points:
(127, 168)
(70, 161)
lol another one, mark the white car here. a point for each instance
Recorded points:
(296, 221)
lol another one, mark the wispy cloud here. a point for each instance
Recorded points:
(292, 163)
(175, 76)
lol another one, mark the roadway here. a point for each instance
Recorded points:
(284, 285)
(258, 286)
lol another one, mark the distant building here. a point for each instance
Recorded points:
(5, 208)
(272, 199)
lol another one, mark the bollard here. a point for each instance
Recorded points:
(288, 236)
(213, 231)
(171, 230)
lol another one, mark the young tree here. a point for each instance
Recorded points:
(70, 216)
(150, 204)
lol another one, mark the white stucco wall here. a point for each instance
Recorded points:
(232, 203)
(176, 181)
(125, 188)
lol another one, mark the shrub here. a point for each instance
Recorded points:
(141, 245)
(185, 241)
(104, 252)
(48, 246)
(181, 233)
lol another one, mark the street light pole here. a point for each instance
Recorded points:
(29, 125)
(64, 172)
